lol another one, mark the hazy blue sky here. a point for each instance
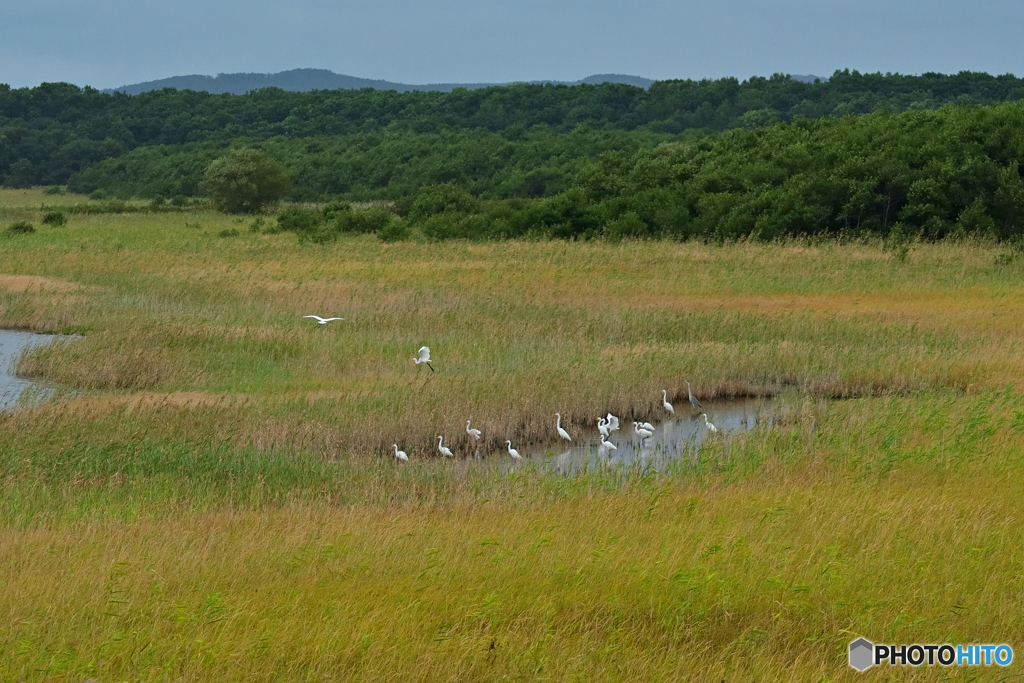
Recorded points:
(108, 43)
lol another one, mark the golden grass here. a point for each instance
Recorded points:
(209, 501)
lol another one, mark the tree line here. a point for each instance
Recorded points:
(925, 174)
(51, 133)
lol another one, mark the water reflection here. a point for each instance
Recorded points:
(12, 344)
(673, 440)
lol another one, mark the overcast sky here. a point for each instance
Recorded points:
(108, 43)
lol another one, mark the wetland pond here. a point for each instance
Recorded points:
(674, 439)
(12, 388)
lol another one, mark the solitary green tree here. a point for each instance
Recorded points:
(244, 181)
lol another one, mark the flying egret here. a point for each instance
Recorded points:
(558, 427)
(322, 321)
(444, 451)
(607, 444)
(400, 454)
(511, 451)
(602, 426)
(642, 432)
(664, 402)
(648, 426)
(424, 357)
(475, 433)
(711, 427)
(612, 422)
(693, 399)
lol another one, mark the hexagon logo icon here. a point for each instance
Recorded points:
(862, 654)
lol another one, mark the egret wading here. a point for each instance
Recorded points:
(400, 454)
(475, 433)
(642, 432)
(602, 426)
(711, 427)
(665, 403)
(693, 399)
(558, 427)
(424, 357)
(607, 444)
(444, 451)
(322, 321)
(511, 451)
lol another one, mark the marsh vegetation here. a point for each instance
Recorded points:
(214, 497)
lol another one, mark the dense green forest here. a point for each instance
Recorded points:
(931, 155)
(51, 133)
(926, 174)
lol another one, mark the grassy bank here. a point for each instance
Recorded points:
(211, 497)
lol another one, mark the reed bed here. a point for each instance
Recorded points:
(211, 495)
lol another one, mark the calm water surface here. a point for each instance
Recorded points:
(12, 344)
(675, 438)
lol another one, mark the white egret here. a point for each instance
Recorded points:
(665, 403)
(602, 426)
(511, 451)
(444, 451)
(400, 454)
(711, 427)
(475, 433)
(608, 444)
(424, 357)
(558, 427)
(693, 399)
(648, 426)
(322, 321)
(642, 432)
(613, 423)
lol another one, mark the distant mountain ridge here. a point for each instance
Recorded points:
(302, 80)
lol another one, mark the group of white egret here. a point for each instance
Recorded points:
(605, 425)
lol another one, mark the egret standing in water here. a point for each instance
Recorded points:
(693, 399)
(400, 454)
(647, 425)
(444, 451)
(322, 321)
(475, 433)
(511, 451)
(665, 403)
(642, 432)
(424, 357)
(602, 426)
(711, 427)
(558, 427)
(607, 444)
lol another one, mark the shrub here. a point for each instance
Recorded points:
(627, 225)
(298, 220)
(438, 199)
(179, 200)
(228, 232)
(55, 218)
(368, 220)
(21, 228)
(99, 195)
(244, 181)
(54, 190)
(395, 231)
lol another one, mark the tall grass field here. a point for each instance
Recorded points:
(211, 493)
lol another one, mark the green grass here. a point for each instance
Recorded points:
(213, 498)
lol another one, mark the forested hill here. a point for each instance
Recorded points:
(53, 131)
(303, 80)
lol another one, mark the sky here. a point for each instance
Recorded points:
(108, 43)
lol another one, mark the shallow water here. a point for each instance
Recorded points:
(13, 388)
(674, 439)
